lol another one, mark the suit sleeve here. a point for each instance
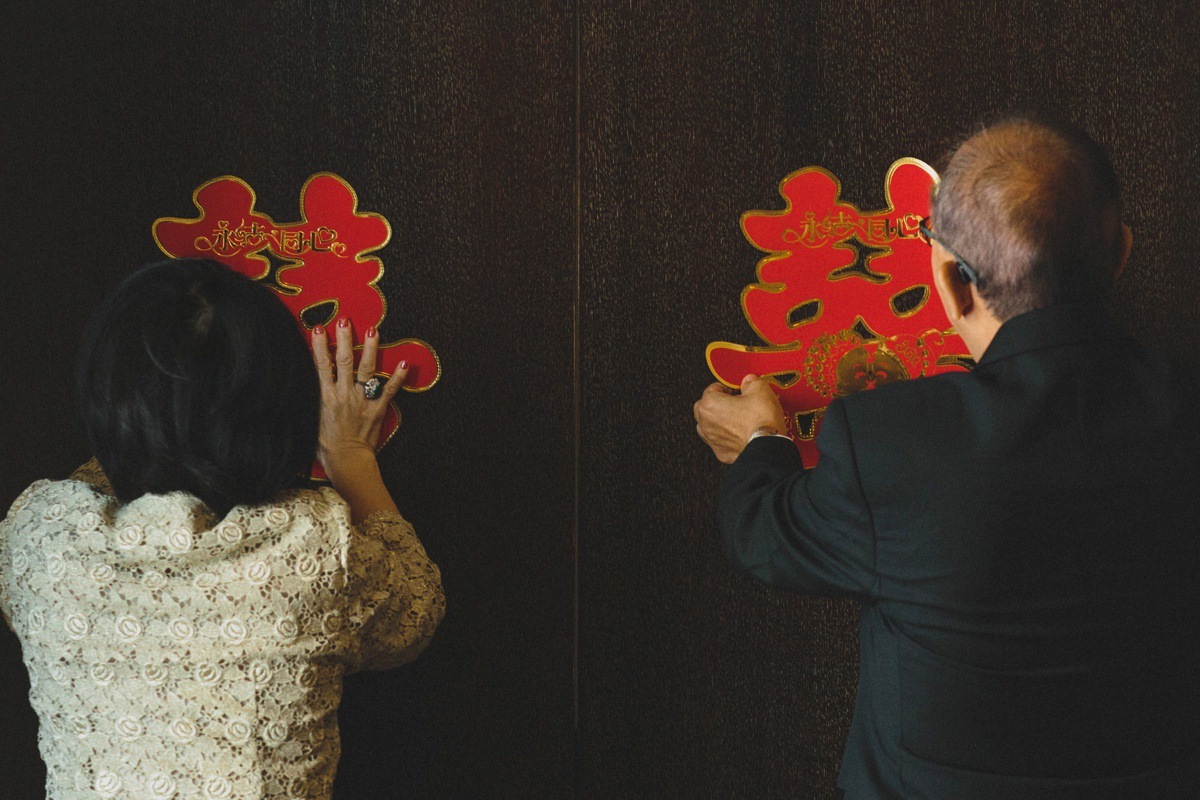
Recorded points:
(805, 530)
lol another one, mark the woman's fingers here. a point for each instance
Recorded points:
(395, 382)
(320, 350)
(345, 354)
(366, 364)
(347, 376)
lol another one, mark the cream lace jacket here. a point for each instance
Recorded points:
(174, 655)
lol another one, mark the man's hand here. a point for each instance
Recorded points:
(725, 420)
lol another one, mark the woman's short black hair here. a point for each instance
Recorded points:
(194, 378)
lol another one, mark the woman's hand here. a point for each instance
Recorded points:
(350, 421)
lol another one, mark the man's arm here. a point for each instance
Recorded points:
(727, 421)
(804, 530)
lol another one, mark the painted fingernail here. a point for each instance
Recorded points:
(344, 322)
(319, 330)
(403, 365)
(371, 332)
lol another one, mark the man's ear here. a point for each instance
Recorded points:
(1126, 247)
(955, 293)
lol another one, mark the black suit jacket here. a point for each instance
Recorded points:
(1024, 540)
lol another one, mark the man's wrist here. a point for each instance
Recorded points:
(766, 430)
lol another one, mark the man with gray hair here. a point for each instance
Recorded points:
(1021, 537)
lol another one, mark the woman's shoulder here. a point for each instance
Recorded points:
(174, 526)
(55, 500)
(298, 521)
(321, 508)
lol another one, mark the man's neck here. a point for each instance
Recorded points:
(977, 328)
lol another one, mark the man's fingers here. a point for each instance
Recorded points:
(715, 393)
(718, 388)
(724, 454)
(752, 381)
(725, 417)
(752, 385)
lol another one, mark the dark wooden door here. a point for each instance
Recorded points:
(564, 182)
(455, 121)
(694, 682)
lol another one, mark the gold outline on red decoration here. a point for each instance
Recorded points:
(775, 255)
(884, 250)
(303, 221)
(769, 348)
(399, 419)
(437, 363)
(196, 203)
(820, 310)
(764, 348)
(337, 306)
(924, 301)
(373, 283)
(358, 257)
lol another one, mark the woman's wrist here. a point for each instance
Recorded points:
(355, 475)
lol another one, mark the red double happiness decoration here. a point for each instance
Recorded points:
(319, 267)
(843, 299)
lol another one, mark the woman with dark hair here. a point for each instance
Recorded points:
(187, 609)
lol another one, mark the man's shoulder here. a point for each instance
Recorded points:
(1183, 366)
(910, 395)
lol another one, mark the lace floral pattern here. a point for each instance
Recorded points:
(175, 655)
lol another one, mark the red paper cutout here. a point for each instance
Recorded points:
(844, 298)
(317, 266)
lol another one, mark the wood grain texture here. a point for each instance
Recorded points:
(456, 122)
(694, 682)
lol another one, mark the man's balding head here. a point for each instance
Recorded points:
(1035, 208)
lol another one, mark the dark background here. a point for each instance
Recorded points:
(564, 182)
